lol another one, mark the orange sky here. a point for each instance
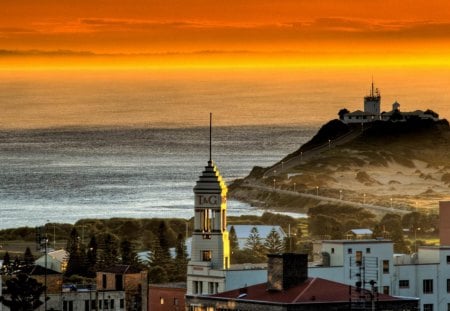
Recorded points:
(233, 32)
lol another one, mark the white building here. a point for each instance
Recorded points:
(425, 274)
(56, 260)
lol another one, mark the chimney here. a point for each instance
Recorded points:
(286, 270)
(444, 223)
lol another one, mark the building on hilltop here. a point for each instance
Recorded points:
(372, 111)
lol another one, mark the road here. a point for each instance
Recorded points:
(377, 208)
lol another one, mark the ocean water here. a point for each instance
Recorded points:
(131, 144)
(66, 175)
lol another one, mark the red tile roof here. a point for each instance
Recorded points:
(312, 290)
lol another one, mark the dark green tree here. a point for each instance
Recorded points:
(157, 275)
(75, 264)
(108, 254)
(342, 113)
(234, 244)
(273, 243)
(24, 293)
(181, 259)
(127, 254)
(6, 268)
(91, 257)
(254, 243)
(28, 258)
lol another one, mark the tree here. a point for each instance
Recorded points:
(24, 293)
(273, 243)
(181, 259)
(254, 243)
(28, 258)
(91, 257)
(6, 268)
(160, 252)
(108, 254)
(342, 113)
(234, 244)
(127, 254)
(75, 264)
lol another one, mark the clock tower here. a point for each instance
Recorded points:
(210, 255)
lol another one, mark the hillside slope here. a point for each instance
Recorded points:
(390, 165)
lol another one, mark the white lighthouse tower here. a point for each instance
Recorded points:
(372, 102)
(210, 256)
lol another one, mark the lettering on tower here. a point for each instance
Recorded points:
(208, 200)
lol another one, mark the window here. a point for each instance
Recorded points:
(175, 302)
(427, 307)
(122, 303)
(210, 288)
(448, 259)
(161, 300)
(67, 305)
(349, 251)
(86, 305)
(206, 255)
(427, 287)
(403, 283)
(104, 281)
(198, 287)
(448, 285)
(385, 266)
(332, 250)
(358, 258)
(368, 250)
(105, 303)
(448, 307)
(386, 290)
(112, 304)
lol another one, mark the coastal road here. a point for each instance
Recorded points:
(375, 208)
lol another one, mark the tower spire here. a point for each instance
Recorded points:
(210, 137)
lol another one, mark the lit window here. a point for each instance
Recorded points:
(385, 266)
(206, 255)
(161, 300)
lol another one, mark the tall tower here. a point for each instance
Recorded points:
(210, 255)
(372, 102)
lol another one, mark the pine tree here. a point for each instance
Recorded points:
(108, 255)
(254, 243)
(273, 243)
(160, 252)
(28, 258)
(75, 264)
(181, 259)
(91, 257)
(127, 254)
(234, 244)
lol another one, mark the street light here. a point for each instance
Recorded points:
(301, 155)
(340, 194)
(274, 183)
(282, 165)
(317, 190)
(329, 143)
(391, 202)
(294, 186)
(415, 238)
(364, 201)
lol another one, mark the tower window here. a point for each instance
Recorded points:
(206, 255)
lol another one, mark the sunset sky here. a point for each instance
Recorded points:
(204, 33)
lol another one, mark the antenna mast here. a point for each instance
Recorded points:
(210, 137)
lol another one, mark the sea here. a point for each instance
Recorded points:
(88, 144)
